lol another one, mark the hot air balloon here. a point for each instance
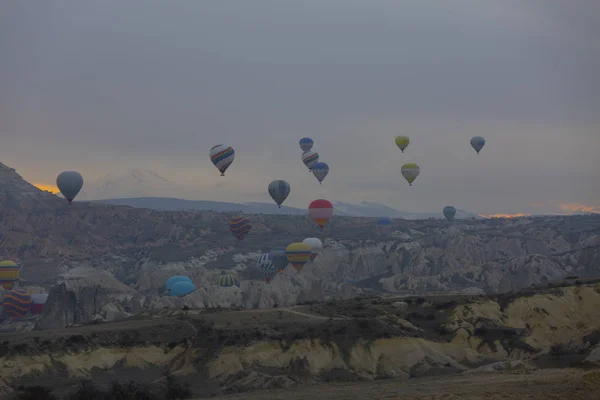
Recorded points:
(410, 172)
(16, 303)
(222, 156)
(177, 278)
(449, 212)
(69, 183)
(384, 224)
(477, 143)
(306, 144)
(279, 191)
(310, 158)
(266, 266)
(37, 303)
(279, 258)
(402, 142)
(181, 288)
(315, 247)
(9, 274)
(320, 211)
(240, 226)
(298, 254)
(227, 281)
(320, 171)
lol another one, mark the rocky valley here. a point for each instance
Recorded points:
(427, 298)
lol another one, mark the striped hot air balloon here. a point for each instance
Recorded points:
(227, 281)
(266, 266)
(320, 211)
(9, 274)
(16, 303)
(310, 158)
(315, 247)
(222, 156)
(240, 226)
(298, 254)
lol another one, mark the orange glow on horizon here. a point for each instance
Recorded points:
(517, 215)
(579, 208)
(48, 188)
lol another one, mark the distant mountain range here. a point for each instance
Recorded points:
(143, 188)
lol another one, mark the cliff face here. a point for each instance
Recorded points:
(358, 339)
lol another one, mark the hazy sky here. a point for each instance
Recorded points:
(100, 86)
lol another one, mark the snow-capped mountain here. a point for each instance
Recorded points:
(135, 183)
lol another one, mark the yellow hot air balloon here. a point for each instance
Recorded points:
(298, 254)
(402, 142)
(9, 273)
(410, 172)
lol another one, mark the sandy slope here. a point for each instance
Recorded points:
(543, 384)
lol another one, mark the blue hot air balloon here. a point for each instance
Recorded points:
(449, 212)
(177, 278)
(306, 144)
(477, 142)
(181, 288)
(320, 171)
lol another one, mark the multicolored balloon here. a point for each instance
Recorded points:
(310, 158)
(402, 142)
(266, 266)
(240, 226)
(298, 254)
(9, 274)
(410, 172)
(37, 303)
(320, 211)
(449, 212)
(384, 224)
(477, 143)
(279, 191)
(279, 258)
(69, 183)
(227, 281)
(315, 247)
(306, 144)
(222, 156)
(16, 303)
(320, 171)
(181, 288)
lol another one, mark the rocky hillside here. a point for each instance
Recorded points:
(362, 339)
(116, 259)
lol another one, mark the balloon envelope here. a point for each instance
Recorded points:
(279, 191)
(315, 247)
(16, 303)
(240, 226)
(69, 183)
(402, 142)
(310, 158)
(222, 156)
(279, 258)
(410, 172)
(266, 266)
(227, 281)
(320, 170)
(477, 142)
(9, 274)
(298, 254)
(181, 288)
(177, 278)
(449, 212)
(306, 144)
(37, 303)
(320, 211)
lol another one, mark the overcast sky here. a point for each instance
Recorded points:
(106, 86)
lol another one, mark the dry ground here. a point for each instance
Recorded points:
(568, 384)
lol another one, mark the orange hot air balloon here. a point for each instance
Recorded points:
(9, 274)
(320, 211)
